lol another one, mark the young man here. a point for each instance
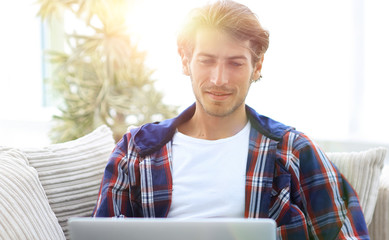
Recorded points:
(220, 158)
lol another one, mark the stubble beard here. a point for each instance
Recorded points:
(216, 109)
(220, 112)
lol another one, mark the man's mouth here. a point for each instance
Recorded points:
(219, 93)
(218, 96)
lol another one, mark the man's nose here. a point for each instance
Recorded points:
(218, 75)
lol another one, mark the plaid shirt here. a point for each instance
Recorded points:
(288, 179)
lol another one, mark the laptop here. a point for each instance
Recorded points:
(171, 229)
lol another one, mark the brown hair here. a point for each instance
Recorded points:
(229, 16)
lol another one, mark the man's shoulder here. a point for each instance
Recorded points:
(279, 132)
(152, 136)
(267, 126)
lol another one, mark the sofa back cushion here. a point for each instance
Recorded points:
(378, 228)
(363, 171)
(24, 209)
(71, 173)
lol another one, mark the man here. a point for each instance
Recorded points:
(220, 158)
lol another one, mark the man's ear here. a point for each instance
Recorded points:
(185, 61)
(257, 69)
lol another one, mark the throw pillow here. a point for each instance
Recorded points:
(71, 173)
(24, 209)
(378, 228)
(363, 171)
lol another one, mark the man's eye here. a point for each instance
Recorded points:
(206, 61)
(236, 64)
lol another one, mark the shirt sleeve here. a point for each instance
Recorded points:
(113, 198)
(331, 204)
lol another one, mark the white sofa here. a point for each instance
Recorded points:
(41, 188)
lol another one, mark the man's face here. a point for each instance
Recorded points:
(221, 71)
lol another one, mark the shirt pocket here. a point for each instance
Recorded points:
(291, 221)
(280, 199)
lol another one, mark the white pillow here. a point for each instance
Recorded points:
(378, 228)
(24, 209)
(363, 171)
(71, 172)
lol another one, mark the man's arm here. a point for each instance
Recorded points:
(113, 199)
(331, 204)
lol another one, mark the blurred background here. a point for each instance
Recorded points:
(325, 71)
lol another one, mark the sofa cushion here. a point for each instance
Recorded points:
(24, 209)
(378, 228)
(71, 172)
(363, 171)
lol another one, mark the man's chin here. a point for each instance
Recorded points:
(218, 110)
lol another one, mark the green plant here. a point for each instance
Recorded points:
(103, 78)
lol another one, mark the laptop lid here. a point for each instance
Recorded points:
(171, 229)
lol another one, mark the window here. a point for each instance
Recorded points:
(23, 120)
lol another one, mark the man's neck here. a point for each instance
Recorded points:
(205, 126)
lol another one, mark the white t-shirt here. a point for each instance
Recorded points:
(209, 176)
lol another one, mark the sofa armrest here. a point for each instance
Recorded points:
(378, 229)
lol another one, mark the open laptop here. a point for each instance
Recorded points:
(171, 229)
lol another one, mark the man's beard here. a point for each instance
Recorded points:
(220, 111)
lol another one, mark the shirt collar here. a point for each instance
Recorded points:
(153, 136)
